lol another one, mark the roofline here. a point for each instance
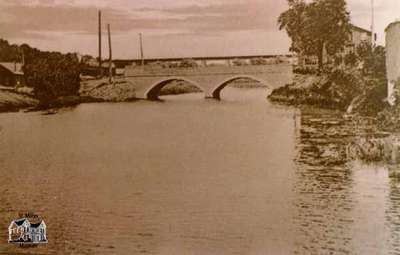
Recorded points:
(361, 29)
(392, 24)
(19, 72)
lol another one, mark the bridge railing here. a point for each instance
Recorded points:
(205, 70)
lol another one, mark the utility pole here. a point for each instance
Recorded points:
(100, 64)
(110, 74)
(141, 49)
(373, 41)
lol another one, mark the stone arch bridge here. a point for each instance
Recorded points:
(148, 81)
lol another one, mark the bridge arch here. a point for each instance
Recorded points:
(216, 92)
(153, 91)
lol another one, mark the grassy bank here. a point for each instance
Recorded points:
(346, 90)
(12, 102)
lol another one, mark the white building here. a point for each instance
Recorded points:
(22, 231)
(392, 58)
(358, 36)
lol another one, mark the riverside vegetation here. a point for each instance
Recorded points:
(54, 77)
(358, 85)
(353, 82)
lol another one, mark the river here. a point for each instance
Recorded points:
(195, 176)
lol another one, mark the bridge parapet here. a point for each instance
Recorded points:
(134, 71)
(149, 80)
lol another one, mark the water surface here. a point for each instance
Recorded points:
(195, 176)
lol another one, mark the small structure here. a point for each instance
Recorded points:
(358, 36)
(392, 59)
(22, 231)
(11, 74)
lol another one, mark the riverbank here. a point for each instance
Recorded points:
(360, 100)
(301, 92)
(179, 87)
(345, 90)
(102, 91)
(13, 102)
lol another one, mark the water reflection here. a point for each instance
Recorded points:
(323, 185)
(392, 215)
(344, 193)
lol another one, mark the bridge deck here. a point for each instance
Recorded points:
(149, 80)
(208, 70)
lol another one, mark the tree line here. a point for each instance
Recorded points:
(50, 74)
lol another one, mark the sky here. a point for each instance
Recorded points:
(170, 28)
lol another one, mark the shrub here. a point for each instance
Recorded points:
(53, 75)
(50, 74)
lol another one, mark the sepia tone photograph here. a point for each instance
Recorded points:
(200, 127)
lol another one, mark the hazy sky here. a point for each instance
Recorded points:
(171, 28)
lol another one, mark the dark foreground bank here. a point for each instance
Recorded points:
(346, 91)
(12, 102)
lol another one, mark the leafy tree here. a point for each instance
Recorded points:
(9, 53)
(50, 74)
(293, 21)
(373, 60)
(316, 27)
(351, 59)
(53, 75)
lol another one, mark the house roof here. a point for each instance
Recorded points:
(15, 68)
(19, 222)
(35, 225)
(360, 29)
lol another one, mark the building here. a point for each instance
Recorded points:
(392, 59)
(22, 231)
(11, 74)
(358, 36)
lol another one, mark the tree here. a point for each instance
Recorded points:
(373, 60)
(50, 74)
(293, 21)
(317, 27)
(53, 75)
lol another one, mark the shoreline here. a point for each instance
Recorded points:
(11, 101)
(305, 91)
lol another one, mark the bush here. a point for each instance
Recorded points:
(187, 63)
(305, 70)
(50, 74)
(53, 75)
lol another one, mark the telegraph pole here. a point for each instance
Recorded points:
(110, 74)
(141, 49)
(100, 64)
(373, 41)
